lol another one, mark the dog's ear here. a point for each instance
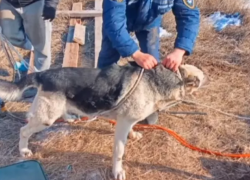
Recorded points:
(193, 77)
(183, 71)
(205, 81)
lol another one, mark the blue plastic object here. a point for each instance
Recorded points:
(221, 20)
(21, 66)
(26, 170)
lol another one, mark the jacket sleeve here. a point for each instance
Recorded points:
(187, 18)
(51, 3)
(115, 27)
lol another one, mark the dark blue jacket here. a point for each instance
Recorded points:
(122, 16)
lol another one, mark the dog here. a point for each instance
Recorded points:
(93, 92)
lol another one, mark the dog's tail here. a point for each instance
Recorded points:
(10, 91)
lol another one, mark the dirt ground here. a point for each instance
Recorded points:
(84, 151)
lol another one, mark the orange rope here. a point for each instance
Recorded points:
(185, 143)
(178, 138)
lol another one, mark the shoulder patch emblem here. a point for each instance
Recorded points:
(189, 3)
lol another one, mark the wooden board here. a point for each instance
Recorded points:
(71, 53)
(79, 34)
(31, 63)
(98, 31)
(80, 14)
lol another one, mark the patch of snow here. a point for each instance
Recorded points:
(221, 20)
(162, 34)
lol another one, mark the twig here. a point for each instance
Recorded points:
(217, 110)
(188, 113)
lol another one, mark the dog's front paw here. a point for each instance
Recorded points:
(26, 152)
(119, 174)
(135, 135)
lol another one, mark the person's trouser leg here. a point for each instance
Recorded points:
(11, 23)
(149, 42)
(39, 33)
(108, 55)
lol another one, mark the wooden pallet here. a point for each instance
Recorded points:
(76, 33)
(71, 53)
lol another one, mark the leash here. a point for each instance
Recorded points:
(182, 141)
(128, 94)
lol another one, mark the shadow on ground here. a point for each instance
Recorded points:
(4, 73)
(226, 170)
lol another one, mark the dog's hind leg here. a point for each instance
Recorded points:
(122, 129)
(134, 135)
(25, 133)
(151, 119)
(43, 113)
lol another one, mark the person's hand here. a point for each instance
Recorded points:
(174, 59)
(49, 13)
(144, 60)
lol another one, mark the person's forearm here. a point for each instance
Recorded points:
(188, 24)
(180, 51)
(114, 24)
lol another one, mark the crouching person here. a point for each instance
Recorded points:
(27, 25)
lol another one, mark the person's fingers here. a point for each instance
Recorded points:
(149, 65)
(152, 63)
(164, 62)
(167, 62)
(149, 61)
(150, 58)
(145, 64)
(172, 65)
(155, 62)
(140, 63)
(175, 67)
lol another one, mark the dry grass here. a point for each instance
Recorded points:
(87, 148)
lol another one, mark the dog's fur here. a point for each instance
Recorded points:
(92, 92)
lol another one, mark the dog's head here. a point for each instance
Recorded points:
(193, 77)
